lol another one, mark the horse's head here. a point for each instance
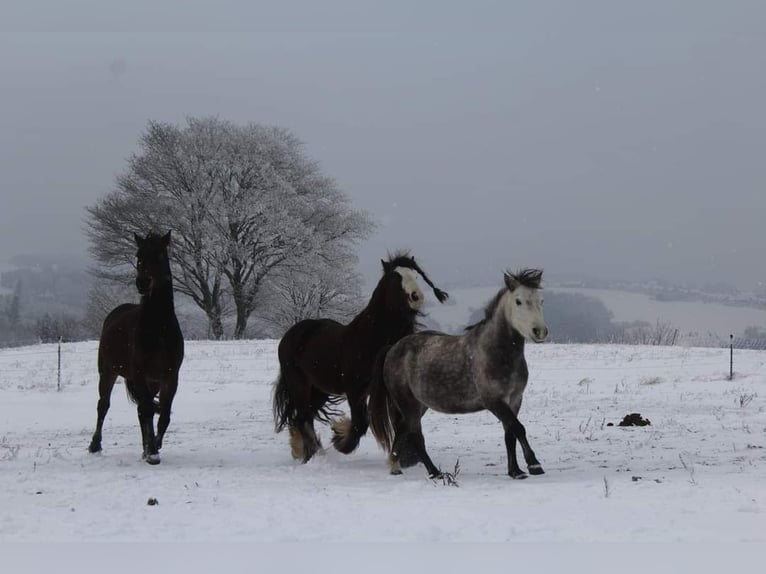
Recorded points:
(524, 304)
(402, 290)
(152, 264)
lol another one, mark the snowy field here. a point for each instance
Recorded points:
(697, 474)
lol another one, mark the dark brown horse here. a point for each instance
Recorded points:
(321, 360)
(143, 344)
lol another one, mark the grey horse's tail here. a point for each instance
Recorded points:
(380, 407)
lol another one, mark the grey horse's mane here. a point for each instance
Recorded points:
(530, 278)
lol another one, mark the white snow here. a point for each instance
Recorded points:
(697, 474)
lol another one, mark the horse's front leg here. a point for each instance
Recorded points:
(145, 400)
(105, 385)
(346, 433)
(514, 430)
(167, 393)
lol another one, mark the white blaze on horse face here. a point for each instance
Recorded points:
(524, 311)
(415, 296)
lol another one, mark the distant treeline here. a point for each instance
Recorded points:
(45, 302)
(579, 318)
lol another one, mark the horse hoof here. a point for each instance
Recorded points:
(396, 471)
(152, 458)
(536, 469)
(94, 448)
(519, 476)
(436, 476)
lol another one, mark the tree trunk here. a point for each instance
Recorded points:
(241, 326)
(215, 323)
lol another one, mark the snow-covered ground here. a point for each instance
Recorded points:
(696, 474)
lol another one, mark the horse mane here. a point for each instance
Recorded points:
(489, 309)
(404, 259)
(529, 278)
(401, 258)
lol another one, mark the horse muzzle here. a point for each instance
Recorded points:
(539, 334)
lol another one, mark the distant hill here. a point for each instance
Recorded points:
(601, 315)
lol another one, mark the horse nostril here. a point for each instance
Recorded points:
(414, 297)
(536, 331)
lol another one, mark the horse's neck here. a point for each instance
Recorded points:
(498, 332)
(158, 304)
(381, 326)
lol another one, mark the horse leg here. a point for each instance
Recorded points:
(418, 442)
(403, 453)
(533, 465)
(346, 433)
(412, 435)
(145, 400)
(304, 442)
(167, 393)
(146, 420)
(292, 405)
(105, 384)
(515, 430)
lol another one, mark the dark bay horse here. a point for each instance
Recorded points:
(483, 369)
(321, 360)
(143, 344)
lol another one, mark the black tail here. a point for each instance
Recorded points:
(286, 412)
(380, 408)
(283, 406)
(133, 394)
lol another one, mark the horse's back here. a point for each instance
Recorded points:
(306, 335)
(436, 369)
(119, 314)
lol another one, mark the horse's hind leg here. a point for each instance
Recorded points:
(409, 434)
(304, 442)
(293, 409)
(167, 393)
(419, 444)
(348, 432)
(403, 453)
(105, 384)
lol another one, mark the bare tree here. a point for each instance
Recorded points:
(103, 296)
(309, 291)
(243, 201)
(643, 333)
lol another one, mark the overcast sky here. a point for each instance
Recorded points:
(620, 139)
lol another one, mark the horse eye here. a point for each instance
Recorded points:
(518, 302)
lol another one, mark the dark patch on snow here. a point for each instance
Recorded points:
(634, 420)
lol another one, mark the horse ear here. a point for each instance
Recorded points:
(385, 266)
(510, 281)
(166, 239)
(138, 239)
